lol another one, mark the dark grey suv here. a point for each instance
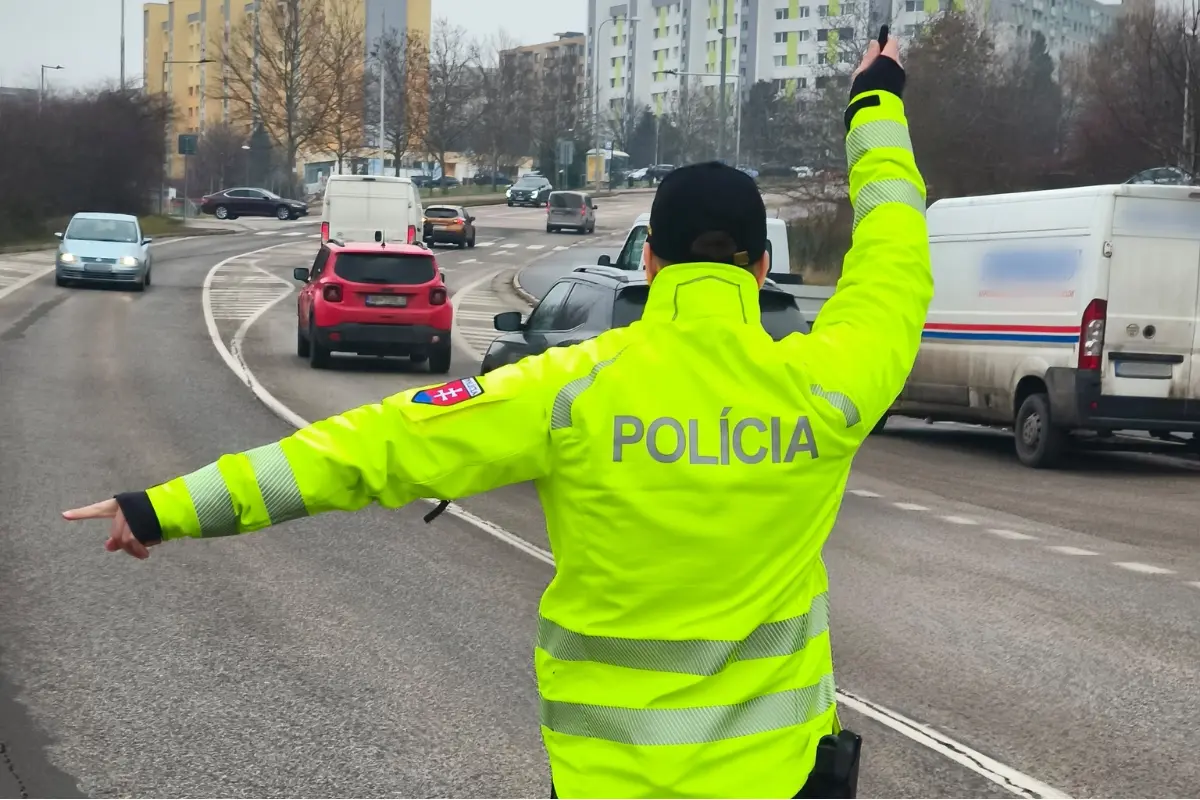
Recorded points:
(592, 300)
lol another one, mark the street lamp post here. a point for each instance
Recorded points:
(737, 79)
(246, 157)
(596, 78)
(42, 86)
(122, 44)
(724, 71)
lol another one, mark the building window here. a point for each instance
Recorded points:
(803, 12)
(781, 38)
(781, 61)
(781, 13)
(803, 59)
(802, 83)
(822, 57)
(822, 35)
(804, 35)
(911, 5)
(822, 11)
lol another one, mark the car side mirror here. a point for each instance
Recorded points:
(470, 218)
(508, 322)
(58, 234)
(595, 205)
(147, 239)
(300, 274)
(604, 261)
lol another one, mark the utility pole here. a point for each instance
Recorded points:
(724, 68)
(122, 45)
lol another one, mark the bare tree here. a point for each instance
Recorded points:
(220, 157)
(507, 87)
(454, 101)
(276, 73)
(342, 99)
(403, 59)
(692, 114)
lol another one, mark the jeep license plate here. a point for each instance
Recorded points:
(395, 300)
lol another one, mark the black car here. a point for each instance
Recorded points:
(592, 300)
(529, 190)
(246, 202)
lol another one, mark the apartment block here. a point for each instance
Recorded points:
(634, 47)
(558, 64)
(180, 36)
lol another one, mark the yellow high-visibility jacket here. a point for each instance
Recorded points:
(690, 469)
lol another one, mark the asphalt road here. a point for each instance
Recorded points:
(375, 655)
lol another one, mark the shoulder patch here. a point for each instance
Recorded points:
(449, 394)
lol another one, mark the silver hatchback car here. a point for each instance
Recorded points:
(570, 210)
(103, 248)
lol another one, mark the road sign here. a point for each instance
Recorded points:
(566, 153)
(187, 144)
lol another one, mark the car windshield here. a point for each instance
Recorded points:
(103, 230)
(441, 213)
(566, 200)
(780, 316)
(530, 182)
(384, 268)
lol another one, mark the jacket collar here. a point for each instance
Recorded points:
(703, 290)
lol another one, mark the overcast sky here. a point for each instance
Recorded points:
(84, 35)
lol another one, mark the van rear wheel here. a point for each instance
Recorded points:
(1039, 444)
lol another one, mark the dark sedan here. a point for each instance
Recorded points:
(245, 202)
(592, 300)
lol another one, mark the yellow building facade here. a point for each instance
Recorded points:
(183, 41)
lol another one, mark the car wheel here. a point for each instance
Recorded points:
(462, 245)
(141, 285)
(301, 343)
(1039, 444)
(549, 229)
(221, 212)
(439, 358)
(59, 281)
(147, 279)
(471, 241)
(510, 203)
(318, 356)
(283, 213)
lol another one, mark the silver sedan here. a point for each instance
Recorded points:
(103, 248)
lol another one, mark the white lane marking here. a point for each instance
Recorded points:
(1002, 775)
(864, 493)
(910, 507)
(1145, 569)
(535, 247)
(960, 520)
(1007, 534)
(1067, 550)
(1194, 584)
(560, 247)
(314, 236)
(510, 244)
(265, 233)
(469, 261)
(295, 233)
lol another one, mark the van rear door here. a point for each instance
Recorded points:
(1151, 332)
(349, 209)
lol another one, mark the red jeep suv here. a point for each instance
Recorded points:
(373, 299)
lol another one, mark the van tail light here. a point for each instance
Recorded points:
(324, 231)
(332, 292)
(1091, 334)
(412, 234)
(437, 296)
(583, 211)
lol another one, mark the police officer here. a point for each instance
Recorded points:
(690, 469)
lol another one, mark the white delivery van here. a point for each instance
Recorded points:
(1067, 315)
(356, 206)
(777, 247)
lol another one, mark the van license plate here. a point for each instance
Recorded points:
(387, 300)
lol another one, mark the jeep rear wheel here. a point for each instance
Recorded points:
(439, 358)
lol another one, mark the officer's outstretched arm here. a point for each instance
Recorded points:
(445, 442)
(865, 339)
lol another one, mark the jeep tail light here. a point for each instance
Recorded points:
(412, 234)
(437, 296)
(324, 231)
(1091, 334)
(459, 221)
(332, 292)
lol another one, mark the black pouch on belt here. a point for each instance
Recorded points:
(835, 773)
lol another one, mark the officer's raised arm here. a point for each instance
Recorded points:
(865, 339)
(448, 441)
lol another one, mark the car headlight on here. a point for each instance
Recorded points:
(128, 261)
(67, 258)
(508, 192)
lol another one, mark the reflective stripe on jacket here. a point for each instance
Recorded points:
(690, 469)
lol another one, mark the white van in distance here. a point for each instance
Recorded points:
(356, 206)
(1067, 315)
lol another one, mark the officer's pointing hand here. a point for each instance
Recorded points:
(120, 537)
(891, 50)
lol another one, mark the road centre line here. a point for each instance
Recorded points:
(1002, 775)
